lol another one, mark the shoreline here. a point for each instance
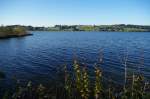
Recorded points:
(91, 31)
(15, 36)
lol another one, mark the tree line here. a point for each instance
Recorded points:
(109, 28)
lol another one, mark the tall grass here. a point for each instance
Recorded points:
(98, 83)
(78, 85)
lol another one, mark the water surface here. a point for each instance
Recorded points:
(40, 57)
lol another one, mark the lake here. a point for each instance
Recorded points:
(40, 57)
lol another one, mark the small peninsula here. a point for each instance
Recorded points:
(16, 31)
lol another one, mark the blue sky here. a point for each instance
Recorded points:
(51, 12)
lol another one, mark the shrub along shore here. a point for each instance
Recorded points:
(9, 32)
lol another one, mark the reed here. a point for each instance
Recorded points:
(85, 87)
(98, 83)
(68, 83)
(79, 86)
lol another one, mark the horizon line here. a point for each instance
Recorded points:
(70, 25)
